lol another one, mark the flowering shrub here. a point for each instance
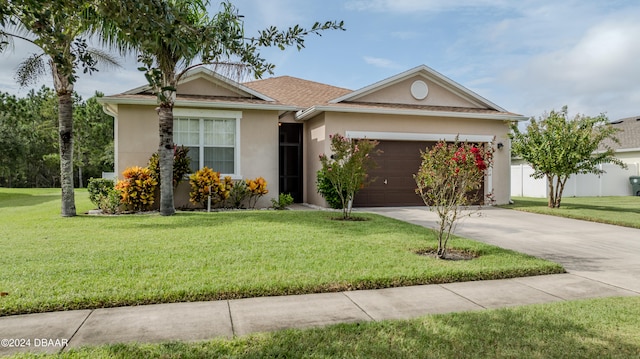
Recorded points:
(137, 189)
(206, 180)
(347, 168)
(257, 188)
(450, 177)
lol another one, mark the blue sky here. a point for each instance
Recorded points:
(526, 56)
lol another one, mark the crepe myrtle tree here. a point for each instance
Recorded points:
(557, 147)
(347, 167)
(175, 36)
(449, 179)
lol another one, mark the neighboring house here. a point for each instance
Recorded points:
(614, 182)
(278, 127)
(628, 150)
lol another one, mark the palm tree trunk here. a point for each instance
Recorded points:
(165, 154)
(65, 126)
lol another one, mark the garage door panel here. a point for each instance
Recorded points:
(397, 164)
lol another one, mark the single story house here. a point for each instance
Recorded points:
(628, 150)
(278, 127)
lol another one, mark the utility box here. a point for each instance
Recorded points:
(635, 184)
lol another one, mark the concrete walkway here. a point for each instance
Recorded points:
(602, 261)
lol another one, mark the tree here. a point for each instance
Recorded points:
(449, 178)
(93, 138)
(56, 28)
(28, 126)
(347, 168)
(172, 37)
(557, 147)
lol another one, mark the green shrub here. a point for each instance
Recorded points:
(328, 191)
(110, 203)
(99, 188)
(137, 189)
(238, 194)
(284, 200)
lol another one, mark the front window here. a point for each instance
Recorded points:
(212, 142)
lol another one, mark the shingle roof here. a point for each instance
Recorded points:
(297, 92)
(629, 135)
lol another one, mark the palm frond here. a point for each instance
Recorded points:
(104, 59)
(31, 69)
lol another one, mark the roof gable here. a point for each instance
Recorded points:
(204, 82)
(421, 86)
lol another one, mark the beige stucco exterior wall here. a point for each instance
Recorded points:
(138, 138)
(316, 141)
(342, 122)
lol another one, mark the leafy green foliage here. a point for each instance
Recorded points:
(327, 190)
(557, 147)
(284, 200)
(347, 167)
(449, 178)
(28, 132)
(98, 188)
(239, 194)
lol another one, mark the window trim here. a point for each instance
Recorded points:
(203, 114)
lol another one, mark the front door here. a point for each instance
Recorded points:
(291, 160)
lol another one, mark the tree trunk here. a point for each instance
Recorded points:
(80, 184)
(551, 200)
(165, 154)
(65, 126)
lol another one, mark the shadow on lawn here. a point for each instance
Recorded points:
(535, 333)
(25, 200)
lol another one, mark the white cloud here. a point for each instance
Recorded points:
(598, 73)
(381, 62)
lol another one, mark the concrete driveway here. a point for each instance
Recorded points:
(605, 253)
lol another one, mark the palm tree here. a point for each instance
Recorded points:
(172, 37)
(56, 28)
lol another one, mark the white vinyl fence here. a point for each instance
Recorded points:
(614, 182)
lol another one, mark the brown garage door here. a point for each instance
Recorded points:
(394, 185)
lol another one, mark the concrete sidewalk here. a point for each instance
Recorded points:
(57, 331)
(602, 261)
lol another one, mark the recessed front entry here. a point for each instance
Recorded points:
(291, 160)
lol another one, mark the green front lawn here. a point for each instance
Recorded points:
(52, 263)
(621, 211)
(600, 328)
